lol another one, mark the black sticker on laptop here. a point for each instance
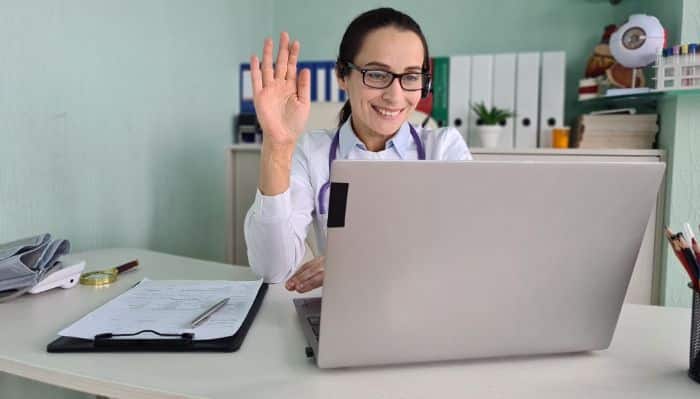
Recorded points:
(336, 204)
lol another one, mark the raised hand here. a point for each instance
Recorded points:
(282, 100)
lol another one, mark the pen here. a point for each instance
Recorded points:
(689, 256)
(688, 232)
(197, 321)
(685, 247)
(673, 239)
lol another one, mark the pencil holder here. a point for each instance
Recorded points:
(694, 369)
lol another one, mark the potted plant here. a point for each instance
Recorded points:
(489, 123)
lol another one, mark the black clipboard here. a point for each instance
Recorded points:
(183, 344)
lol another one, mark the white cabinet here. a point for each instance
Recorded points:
(242, 180)
(243, 170)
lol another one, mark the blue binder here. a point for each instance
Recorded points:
(246, 102)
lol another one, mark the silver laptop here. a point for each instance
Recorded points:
(432, 260)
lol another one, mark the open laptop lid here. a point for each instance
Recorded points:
(432, 260)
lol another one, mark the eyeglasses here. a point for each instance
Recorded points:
(381, 79)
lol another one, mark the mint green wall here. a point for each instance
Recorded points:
(680, 136)
(114, 118)
(469, 26)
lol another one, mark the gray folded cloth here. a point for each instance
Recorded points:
(23, 263)
(22, 245)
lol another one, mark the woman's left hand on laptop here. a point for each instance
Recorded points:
(308, 277)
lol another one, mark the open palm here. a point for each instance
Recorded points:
(282, 100)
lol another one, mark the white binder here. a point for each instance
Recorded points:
(527, 99)
(247, 86)
(458, 92)
(335, 89)
(504, 93)
(482, 84)
(552, 97)
(321, 76)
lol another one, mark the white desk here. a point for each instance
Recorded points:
(648, 357)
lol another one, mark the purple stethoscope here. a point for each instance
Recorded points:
(331, 157)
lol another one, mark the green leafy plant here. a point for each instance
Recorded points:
(491, 116)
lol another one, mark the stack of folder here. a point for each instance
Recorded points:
(530, 84)
(324, 87)
(616, 131)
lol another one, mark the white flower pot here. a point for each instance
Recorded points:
(489, 135)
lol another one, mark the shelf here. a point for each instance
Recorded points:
(569, 151)
(651, 96)
(245, 147)
(682, 92)
(645, 97)
(517, 151)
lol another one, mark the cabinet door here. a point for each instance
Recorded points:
(643, 287)
(243, 174)
(246, 171)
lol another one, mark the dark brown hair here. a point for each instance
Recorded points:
(355, 34)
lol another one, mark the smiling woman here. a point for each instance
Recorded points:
(383, 65)
(377, 105)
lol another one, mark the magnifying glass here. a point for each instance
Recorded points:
(107, 276)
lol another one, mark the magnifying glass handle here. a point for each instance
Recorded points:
(127, 266)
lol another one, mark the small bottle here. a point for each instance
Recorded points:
(669, 73)
(660, 57)
(694, 64)
(685, 70)
(695, 61)
(560, 137)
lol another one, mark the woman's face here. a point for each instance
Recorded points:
(377, 114)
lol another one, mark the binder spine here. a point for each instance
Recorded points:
(441, 79)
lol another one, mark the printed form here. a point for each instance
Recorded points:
(169, 307)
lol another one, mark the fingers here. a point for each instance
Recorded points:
(291, 283)
(292, 61)
(267, 71)
(309, 272)
(282, 56)
(295, 280)
(313, 282)
(307, 275)
(255, 77)
(304, 86)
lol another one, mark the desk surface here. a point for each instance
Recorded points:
(648, 357)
